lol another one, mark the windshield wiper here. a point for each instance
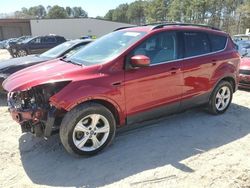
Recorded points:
(69, 61)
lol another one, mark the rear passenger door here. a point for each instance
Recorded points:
(196, 67)
(48, 43)
(200, 61)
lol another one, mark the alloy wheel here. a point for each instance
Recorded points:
(223, 98)
(22, 53)
(91, 132)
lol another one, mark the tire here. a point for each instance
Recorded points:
(218, 104)
(22, 53)
(75, 133)
(13, 52)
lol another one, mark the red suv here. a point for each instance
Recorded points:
(129, 75)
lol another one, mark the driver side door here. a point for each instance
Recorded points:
(35, 45)
(154, 90)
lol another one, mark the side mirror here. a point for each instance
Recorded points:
(140, 61)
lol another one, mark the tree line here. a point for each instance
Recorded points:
(51, 12)
(232, 16)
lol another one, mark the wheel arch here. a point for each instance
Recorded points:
(229, 79)
(110, 105)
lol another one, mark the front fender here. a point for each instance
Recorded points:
(87, 90)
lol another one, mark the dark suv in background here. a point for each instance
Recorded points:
(36, 45)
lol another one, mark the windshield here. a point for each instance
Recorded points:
(106, 48)
(27, 40)
(58, 50)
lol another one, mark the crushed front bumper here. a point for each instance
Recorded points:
(23, 116)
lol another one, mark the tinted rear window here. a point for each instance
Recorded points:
(60, 39)
(49, 40)
(196, 43)
(218, 42)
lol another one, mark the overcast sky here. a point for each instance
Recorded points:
(93, 7)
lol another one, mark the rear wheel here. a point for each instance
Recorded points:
(221, 98)
(87, 129)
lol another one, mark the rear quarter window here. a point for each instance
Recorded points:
(49, 40)
(60, 39)
(218, 42)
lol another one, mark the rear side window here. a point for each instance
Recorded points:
(218, 42)
(60, 39)
(49, 40)
(196, 43)
(36, 41)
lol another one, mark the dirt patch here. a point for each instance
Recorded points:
(191, 149)
(4, 54)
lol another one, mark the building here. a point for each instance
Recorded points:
(11, 28)
(73, 28)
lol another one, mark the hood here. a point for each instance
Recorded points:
(15, 62)
(245, 63)
(43, 73)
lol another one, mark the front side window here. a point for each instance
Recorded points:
(196, 43)
(106, 48)
(36, 41)
(161, 47)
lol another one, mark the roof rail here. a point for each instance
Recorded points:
(161, 25)
(120, 28)
(158, 25)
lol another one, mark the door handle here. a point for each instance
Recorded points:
(214, 62)
(173, 70)
(116, 84)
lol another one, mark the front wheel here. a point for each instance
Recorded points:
(221, 98)
(87, 129)
(22, 53)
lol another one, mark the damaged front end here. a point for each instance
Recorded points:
(32, 110)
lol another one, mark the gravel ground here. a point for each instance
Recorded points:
(4, 54)
(191, 149)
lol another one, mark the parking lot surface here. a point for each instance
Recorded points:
(190, 149)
